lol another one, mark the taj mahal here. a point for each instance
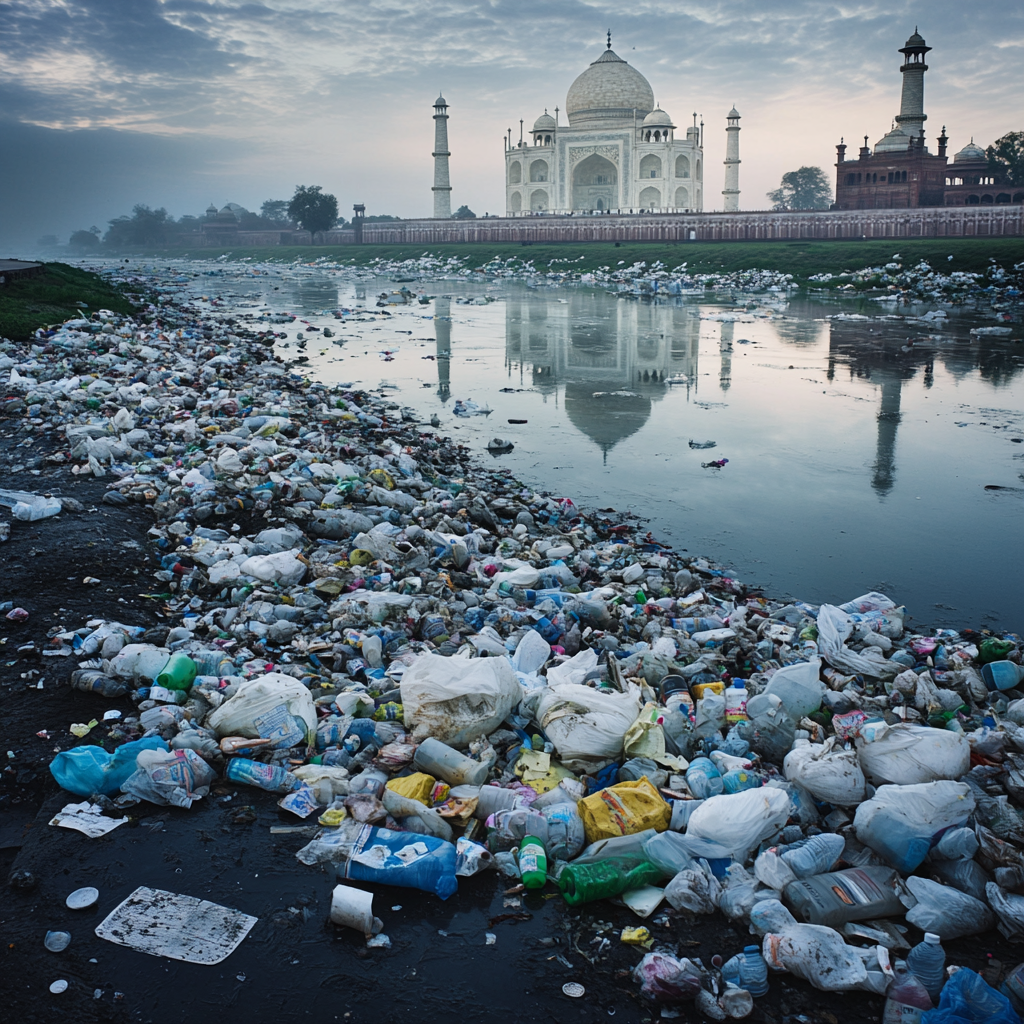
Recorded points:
(620, 152)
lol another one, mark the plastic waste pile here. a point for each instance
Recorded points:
(450, 673)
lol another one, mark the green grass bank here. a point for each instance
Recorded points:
(53, 296)
(799, 258)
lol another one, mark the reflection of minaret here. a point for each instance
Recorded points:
(725, 348)
(888, 421)
(443, 334)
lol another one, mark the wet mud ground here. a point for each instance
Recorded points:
(294, 965)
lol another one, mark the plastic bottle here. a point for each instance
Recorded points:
(29, 507)
(854, 894)
(533, 863)
(736, 702)
(584, 883)
(178, 673)
(370, 781)
(703, 779)
(927, 961)
(753, 971)
(266, 776)
(813, 856)
(906, 999)
(492, 799)
(731, 970)
(736, 780)
(443, 762)
(90, 680)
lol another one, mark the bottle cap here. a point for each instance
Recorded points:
(932, 938)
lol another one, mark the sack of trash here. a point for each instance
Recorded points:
(272, 706)
(586, 726)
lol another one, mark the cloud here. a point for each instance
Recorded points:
(339, 92)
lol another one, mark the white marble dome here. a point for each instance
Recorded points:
(894, 141)
(544, 123)
(658, 119)
(972, 151)
(609, 89)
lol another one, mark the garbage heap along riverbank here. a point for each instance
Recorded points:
(443, 673)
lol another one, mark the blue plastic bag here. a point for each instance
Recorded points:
(407, 859)
(966, 999)
(90, 769)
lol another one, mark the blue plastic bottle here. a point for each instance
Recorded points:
(703, 779)
(753, 971)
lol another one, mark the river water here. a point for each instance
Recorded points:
(867, 448)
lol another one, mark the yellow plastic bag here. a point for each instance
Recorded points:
(417, 786)
(624, 809)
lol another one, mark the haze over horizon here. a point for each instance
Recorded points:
(177, 103)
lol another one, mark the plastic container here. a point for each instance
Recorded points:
(854, 894)
(736, 703)
(178, 673)
(533, 863)
(492, 799)
(584, 883)
(444, 762)
(906, 999)
(370, 782)
(264, 776)
(703, 779)
(90, 680)
(1002, 675)
(927, 962)
(753, 971)
(813, 856)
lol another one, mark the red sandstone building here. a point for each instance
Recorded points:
(900, 172)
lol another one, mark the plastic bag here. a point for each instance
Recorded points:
(273, 706)
(90, 769)
(645, 738)
(586, 726)
(833, 628)
(909, 754)
(739, 893)
(945, 911)
(624, 809)
(417, 786)
(282, 567)
(664, 979)
(1010, 909)
(456, 700)
(817, 954)
(740, 821)
(966, 999)
(900, 823)
(695, 889)
(834, 776)
(405, 859)
(176, 778)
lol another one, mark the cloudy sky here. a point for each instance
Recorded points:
(177, 103)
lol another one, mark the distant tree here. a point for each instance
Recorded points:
(379, 217)
(313, 208)
(803, 189)
(143, 227)
(463, 213)
(1006, 158)
(275, 210)
(85, 239)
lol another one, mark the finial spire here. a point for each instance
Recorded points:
(609, 39)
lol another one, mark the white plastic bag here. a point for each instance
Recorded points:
(574, 670)
(900, 822)
(139, 661)
(834, 776)
(946, 911)
(456, 700)
(817, 954)
(833, 628)
(739, 893)
(586, 726)
(908, 754)
(176, 778)
(1009, 907)
(282, 567)
(739, 821)
(695, 889)
(531, 652)
(267, 706)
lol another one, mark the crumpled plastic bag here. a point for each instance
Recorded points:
(664, 979)
(909, 754)
(174, 778)
(282, 567)
(967, 999)
(623, 810)
(586, 726)
(817, 954)
(269, 706)
(456, 700)
(1010, 909)
(90, 769)
(695, 889)
(646, 738)
(834, 627)
(834, 776)
(739, 821)
(946, 911)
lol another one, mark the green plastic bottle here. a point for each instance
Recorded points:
(533, 862)
(178, 673)
(584, 883)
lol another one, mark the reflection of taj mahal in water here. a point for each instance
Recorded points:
(581, 347)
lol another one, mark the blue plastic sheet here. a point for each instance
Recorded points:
(90, 769)
(966, 999)
(407, 859)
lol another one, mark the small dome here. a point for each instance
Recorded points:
(658, 119)
(608, 89)
(544, 123)
(733, 113)
(971, 151)
(211, 210)
(916, 39)
(895, 141)
(440, 102)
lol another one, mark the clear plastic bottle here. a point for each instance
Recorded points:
(265, 776)
(813, 856)
(443, 762)
(753, 971)
(927, 961)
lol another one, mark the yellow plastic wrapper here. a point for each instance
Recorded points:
(418, 786)
(359, 556)
(623, 810)
(333, 816)
(637, 937)
(81, 729)
(382, 478)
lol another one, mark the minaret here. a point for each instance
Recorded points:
(731, 192)
(912, 117)
(442, 189)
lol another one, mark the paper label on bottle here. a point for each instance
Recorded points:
(280, 727)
